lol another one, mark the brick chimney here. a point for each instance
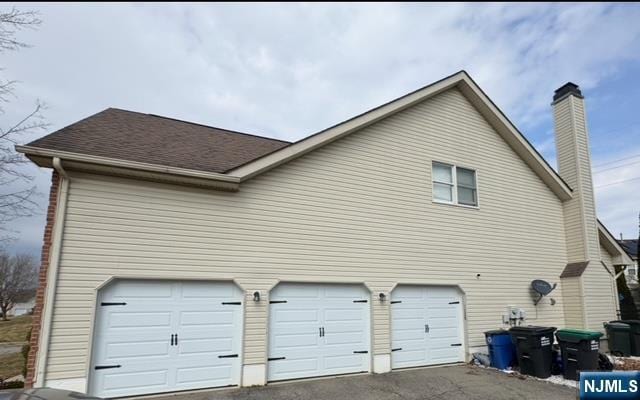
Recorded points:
(574, 166)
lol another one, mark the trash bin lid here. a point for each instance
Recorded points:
(576, 335)
(532, 330)
(620, 326)
(634, 323)
(496, 332)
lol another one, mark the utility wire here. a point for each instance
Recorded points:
(615, 161)
(619, 166)
(618, 182)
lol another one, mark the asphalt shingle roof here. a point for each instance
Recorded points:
(148, 138)
(630, 246)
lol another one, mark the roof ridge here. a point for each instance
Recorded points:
(199, 124)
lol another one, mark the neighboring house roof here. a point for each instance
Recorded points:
(148, 138)
(250, 155)
(609, 242)
(630, 246)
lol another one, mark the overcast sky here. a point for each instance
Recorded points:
(288, 70)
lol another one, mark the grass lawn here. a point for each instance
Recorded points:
(15, 330)
(11, 365)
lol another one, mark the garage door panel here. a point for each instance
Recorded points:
(130, 350)
(406, 312)
(137, 336)
(341, 315)
(135, 381)
(293, 368)
(343, 362)
(296, 316)
(202, 376)
(135, 321)
(210, 318)
(293, 342)
(211, 347)
(345, 339)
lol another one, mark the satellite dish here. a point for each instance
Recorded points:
(543, 288)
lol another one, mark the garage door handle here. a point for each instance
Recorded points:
(107, 366)
(454, 302)
(456, 344)
(172, 336)
(397, 349)
(276, 358)
(229, 356)
(176, 339)
(231, 303)
(277, 301)
(360, 352)
(360, 301)
(105, 303)
(396, 301)
(426, 328)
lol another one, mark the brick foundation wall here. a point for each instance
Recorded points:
(42, 281)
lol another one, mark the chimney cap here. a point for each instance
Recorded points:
(567, 89)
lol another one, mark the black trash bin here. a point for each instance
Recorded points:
(533, 346)
(634, 333)
(579, 351)
(619, 338)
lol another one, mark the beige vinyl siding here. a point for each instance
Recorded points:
(574, 166)
(357, 210)
(573, 308)
(599, 296)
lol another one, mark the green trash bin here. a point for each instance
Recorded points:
(634, 326)
(579, 350)
(619, 338)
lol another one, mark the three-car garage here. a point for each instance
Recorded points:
(153, 336)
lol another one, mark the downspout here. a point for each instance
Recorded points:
(52, 274)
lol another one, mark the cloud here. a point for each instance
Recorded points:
(288, 70)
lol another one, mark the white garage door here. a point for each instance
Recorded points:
(161, 336)
(317, 330)
(426, 326)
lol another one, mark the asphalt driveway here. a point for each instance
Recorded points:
(446, 383)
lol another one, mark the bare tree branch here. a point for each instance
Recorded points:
(17, 192)
(13, 21)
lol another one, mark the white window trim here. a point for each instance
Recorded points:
(454, 178)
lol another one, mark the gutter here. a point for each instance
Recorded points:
(111, 166)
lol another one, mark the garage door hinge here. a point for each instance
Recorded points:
(456, 344)
(112, 304)
(276, 358)
(231, 303)
(397, 349)
(454, 302)
(396, 301)
(360, 352)
(107, 366)
(360, 301)
(277, 301)
(229, 356)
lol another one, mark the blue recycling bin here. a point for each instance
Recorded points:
(501, 348)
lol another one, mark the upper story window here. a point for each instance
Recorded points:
(454, 185)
